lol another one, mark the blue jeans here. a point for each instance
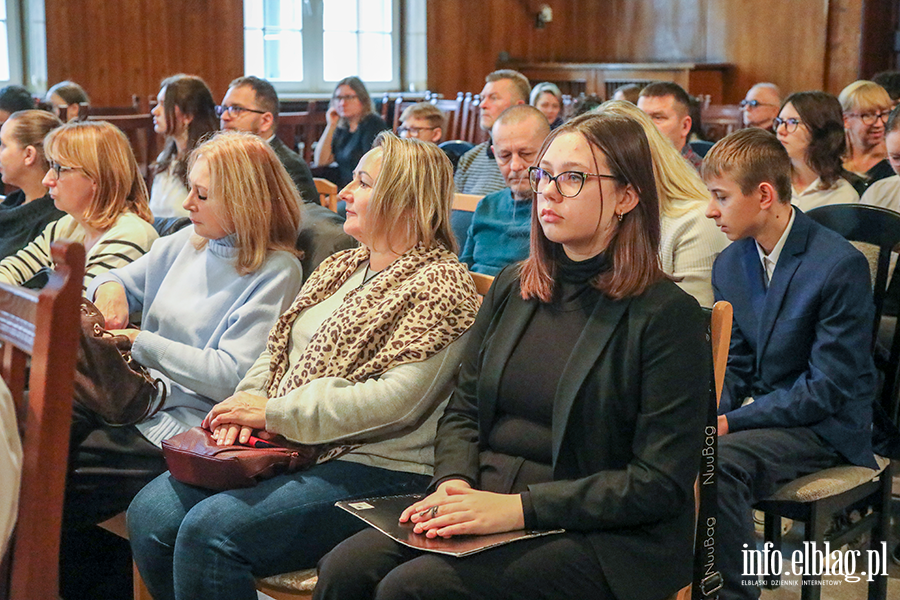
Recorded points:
(190, 543)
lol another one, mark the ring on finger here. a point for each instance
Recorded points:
(434, 511)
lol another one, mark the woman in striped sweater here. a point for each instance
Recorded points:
(94, 178)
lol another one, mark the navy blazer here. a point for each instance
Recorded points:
(802, 348)
(627, 427)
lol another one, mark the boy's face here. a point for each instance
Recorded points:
(737, 215)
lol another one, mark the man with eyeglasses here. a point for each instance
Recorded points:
(477, 173)
(251, 104)
(423, 121)
(760, 106)
(500, 230)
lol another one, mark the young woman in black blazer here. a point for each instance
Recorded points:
(579, 405)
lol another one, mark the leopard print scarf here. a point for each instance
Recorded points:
(411, 310)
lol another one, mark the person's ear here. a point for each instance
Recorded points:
(627, 201)
(267, 121)
(31, 156)
(686, 124)
(767, 195)
(437, 134)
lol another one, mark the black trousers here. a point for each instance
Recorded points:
(371, 565)
(108, 466)
(752, 465)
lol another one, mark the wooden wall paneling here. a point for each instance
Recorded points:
(842, 58)
(879, 22)
(769, 40)
(128, 47)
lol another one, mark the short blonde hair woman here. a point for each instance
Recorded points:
(689, 242)
(866, 107)
(94, 178)
(365, 356)
(25, 212)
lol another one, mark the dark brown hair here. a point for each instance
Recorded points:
(821, 113)
(633, 246)
(192, 97)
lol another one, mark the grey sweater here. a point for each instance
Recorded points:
(393, 416)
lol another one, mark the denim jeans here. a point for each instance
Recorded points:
(190, 543)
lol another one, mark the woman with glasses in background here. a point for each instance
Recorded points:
(350, 130)
(579, 405)
(185, 112)
(810, 126)
(866, 107)
(93, 178)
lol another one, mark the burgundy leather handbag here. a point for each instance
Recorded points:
(194, 458)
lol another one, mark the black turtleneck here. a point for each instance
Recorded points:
(528, 384)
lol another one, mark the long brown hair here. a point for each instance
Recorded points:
(633, 246)
(192, 97)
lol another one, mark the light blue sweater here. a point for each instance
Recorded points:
(499, 234)
(202, 324)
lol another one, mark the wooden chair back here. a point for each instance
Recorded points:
(43, 327)
(482, 283)
(452, 110)
(720, 119)
(466, 202)
(139, 131)
(328, 193)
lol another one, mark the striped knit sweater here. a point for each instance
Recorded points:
(128, 239)
(478, 173)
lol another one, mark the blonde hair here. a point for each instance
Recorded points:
(258, 198)
(678, 185)
(30, 127)
(103, 153)
(414, 191)
(864, 95)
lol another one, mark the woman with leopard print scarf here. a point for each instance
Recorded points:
(366, 357)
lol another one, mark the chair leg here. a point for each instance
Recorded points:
(880, 535)
(772, 534)
(815, 532)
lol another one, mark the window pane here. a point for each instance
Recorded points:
(284, 14)
(254, 63)
(340, 15)
(253, 14)
(4, 53)
(339, 55)
(375, 57)
(284, 55)
(375, 15)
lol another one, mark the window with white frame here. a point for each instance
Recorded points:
(309, 45)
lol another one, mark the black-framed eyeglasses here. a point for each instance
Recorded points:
(753, 104)
(58, 169)
(235, 111)
(569, 183)
(870, 118)
(413, 131)
(790, 125)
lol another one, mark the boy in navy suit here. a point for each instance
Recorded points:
(800, 380)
